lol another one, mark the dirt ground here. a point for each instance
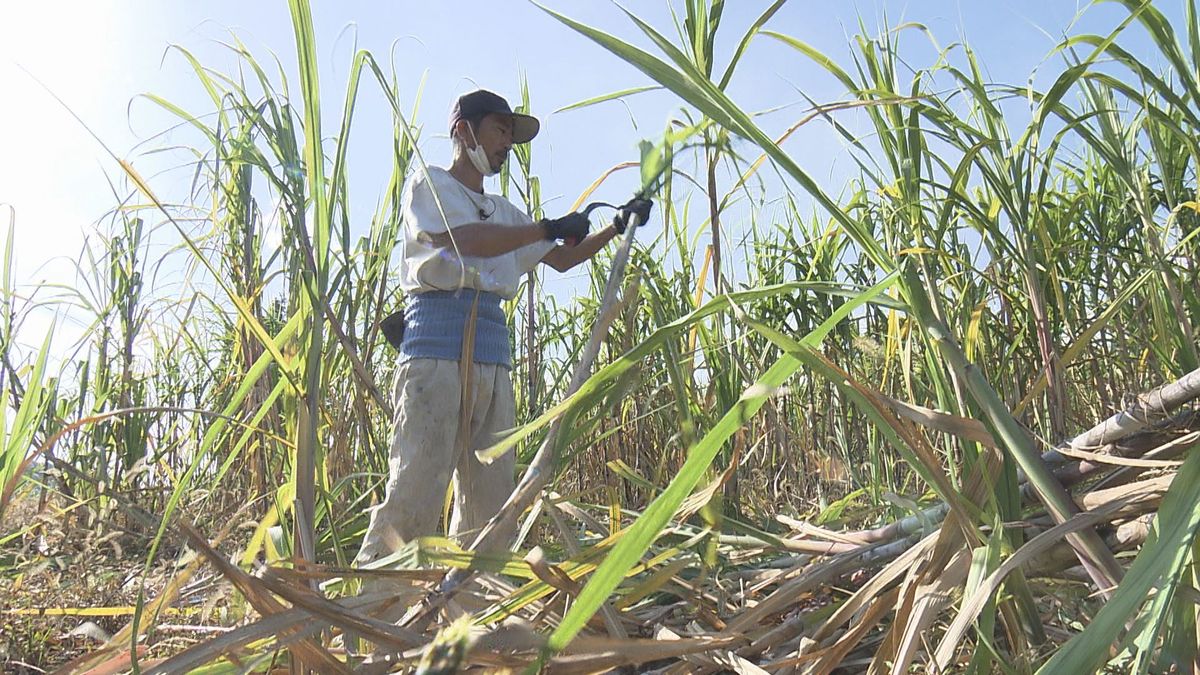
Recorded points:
(67, 584)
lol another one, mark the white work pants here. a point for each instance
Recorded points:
(437, 429)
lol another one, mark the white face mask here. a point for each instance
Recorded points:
(478, 156)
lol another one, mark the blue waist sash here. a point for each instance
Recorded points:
(435, 322)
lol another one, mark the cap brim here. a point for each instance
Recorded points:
(525, 127)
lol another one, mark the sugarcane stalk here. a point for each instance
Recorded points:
(1135, 443)
(1149, 408)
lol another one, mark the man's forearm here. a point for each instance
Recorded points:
(488, 240)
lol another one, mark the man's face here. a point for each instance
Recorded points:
(495, 135)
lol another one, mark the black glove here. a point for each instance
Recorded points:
(637, 205)
(571, 228)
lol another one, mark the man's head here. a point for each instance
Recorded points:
(483, 124)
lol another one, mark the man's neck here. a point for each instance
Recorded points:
(466, 173)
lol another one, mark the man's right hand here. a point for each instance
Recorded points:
(571, 228)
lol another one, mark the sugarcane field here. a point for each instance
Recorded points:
(685, 336)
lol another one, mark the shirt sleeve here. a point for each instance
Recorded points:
(419, 209)
(530, 255)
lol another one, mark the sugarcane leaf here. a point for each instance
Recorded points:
(646, 529)
(604, 98)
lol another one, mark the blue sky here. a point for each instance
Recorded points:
(99, 55)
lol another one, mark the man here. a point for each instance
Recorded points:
(464, 253)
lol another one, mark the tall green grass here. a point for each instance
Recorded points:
(1026, 275)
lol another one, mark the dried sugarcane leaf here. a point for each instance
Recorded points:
(930, 599)
(963, 427)
(255, 591)
(826, 660)
(723, 659)
(875, 588)
(592, 654)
